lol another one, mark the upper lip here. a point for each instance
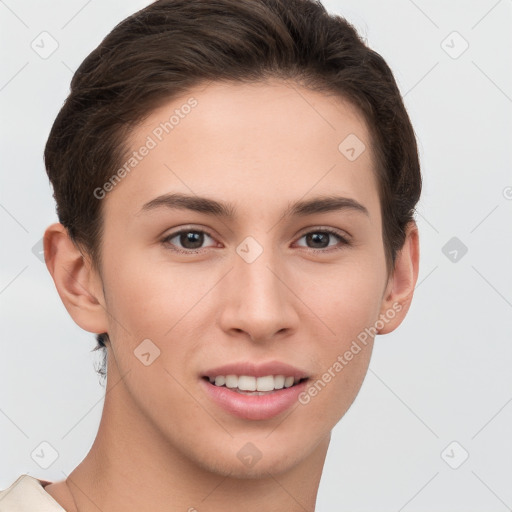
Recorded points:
(257, 370)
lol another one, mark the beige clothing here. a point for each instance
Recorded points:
(27, 494)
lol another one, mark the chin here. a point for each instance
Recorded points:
(250, 463)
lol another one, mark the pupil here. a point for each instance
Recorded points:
(192, 239)
(319, 238)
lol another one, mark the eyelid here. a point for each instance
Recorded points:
(335, 231)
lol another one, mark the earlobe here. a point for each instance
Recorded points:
(400, 288)
(77, 283)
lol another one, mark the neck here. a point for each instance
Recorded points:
(132, 467)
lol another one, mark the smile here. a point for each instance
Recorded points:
(249, 384)
(254, 392)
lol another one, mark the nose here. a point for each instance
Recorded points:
(258, 299)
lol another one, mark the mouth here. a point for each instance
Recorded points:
(254, 392)
(254, 386)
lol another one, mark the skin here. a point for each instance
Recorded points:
(162, 443)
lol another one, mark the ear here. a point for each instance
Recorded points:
(78, 284)
(399, 291)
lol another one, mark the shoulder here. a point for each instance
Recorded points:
(26, 494)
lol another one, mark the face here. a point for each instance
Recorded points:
(244, 242)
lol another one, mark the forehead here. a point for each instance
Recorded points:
(246, 141)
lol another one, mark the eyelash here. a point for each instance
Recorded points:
(166, 241)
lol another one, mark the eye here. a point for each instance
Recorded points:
(190, 239)
(320, 239)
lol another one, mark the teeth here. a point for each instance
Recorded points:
(265, 383)
(250, 383)
(246, 383)
(279, 381)
(288, 382)
(231, 381)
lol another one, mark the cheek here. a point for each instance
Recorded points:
(146, 298)
(155, 301)
(332, 390)
(349, 297)
(350, 310)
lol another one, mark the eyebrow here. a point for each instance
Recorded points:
(321, 204)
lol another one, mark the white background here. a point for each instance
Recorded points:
(443, 376)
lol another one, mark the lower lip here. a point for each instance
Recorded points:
(254, 407)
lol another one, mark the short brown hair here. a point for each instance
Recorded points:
(166, 48)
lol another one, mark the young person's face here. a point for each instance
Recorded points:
(255, 288)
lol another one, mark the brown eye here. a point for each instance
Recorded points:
(321, 239)
(187, 240)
